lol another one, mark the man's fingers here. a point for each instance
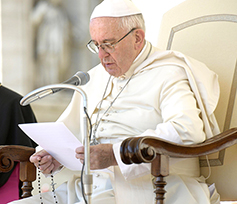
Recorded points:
(46, 159)
(46, 169)
(80, 153)
(80, 150)
(44, 163)
(35, 159)
(82, 161)
(38, 156)
(80, 156)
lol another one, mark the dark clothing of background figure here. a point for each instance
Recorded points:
(12, 114)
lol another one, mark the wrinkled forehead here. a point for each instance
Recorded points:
(105, 22)
(108, 26)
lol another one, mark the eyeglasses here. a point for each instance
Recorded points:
(107, 47)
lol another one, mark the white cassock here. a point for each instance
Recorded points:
(166, 97)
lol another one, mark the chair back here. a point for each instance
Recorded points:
(207, 31)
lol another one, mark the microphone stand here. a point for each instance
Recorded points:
(46, 90)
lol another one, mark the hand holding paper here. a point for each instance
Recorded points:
(57, 140)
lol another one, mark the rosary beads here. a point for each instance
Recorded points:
(52, 186)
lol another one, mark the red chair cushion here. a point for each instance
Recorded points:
(10, 190)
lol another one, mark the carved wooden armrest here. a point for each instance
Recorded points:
(157, 152)
(144, 149)
(16, 153)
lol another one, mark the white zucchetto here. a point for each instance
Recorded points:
(115, 8)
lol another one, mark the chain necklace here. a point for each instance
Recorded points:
(52, 186)
(94, 140)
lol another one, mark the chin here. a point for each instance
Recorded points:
(113, 72)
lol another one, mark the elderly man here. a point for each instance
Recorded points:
(137, 90)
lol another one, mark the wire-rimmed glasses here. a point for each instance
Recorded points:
(107, 47)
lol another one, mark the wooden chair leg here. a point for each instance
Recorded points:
(27, 176)
(160, 169)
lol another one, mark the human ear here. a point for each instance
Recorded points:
(139, 38)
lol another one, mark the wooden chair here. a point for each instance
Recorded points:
(178, 32)
(157, 152)
(206, 31)
(16, 153)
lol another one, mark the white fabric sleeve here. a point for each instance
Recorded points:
(181, 122)
(130, 171)
(136, 170)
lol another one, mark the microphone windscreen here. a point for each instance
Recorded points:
(83, 77)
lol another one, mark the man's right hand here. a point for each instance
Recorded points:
(45, 161)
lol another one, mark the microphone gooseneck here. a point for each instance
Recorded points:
(78, 79)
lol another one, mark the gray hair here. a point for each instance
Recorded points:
(133, 21)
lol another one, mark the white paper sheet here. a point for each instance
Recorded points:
(57, 140)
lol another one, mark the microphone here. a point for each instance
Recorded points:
(78, 79)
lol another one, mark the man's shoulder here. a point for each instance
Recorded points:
(9, 95)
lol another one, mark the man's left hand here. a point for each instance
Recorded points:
(101, 156)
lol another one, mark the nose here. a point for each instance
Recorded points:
(102, 53)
